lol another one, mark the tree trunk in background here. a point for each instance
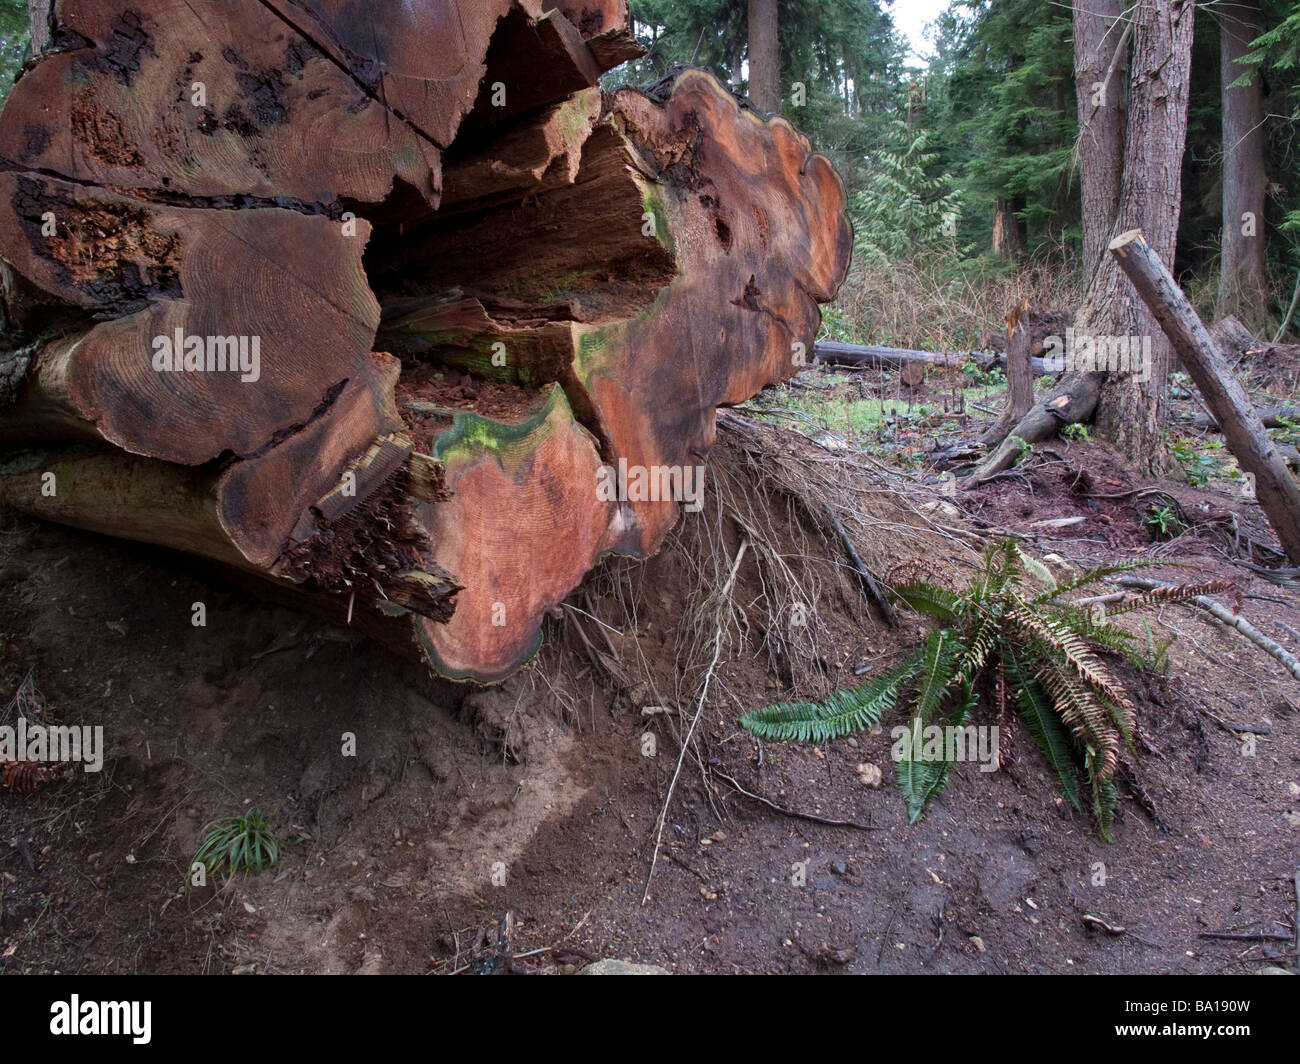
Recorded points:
(1008, 231)
(1132, 128)
(38, 15)
(1129, 411)
(1100, 49)
(1243, 286)
(764, 56)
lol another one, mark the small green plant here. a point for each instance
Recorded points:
(235, 843)
(992, 377)
(1076, 433)
(1163, 522)
(1288, 431)
(1009, 630)
(1155, 655)
(1199, 458)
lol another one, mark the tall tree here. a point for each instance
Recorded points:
(1243, 285)
(1120, 358)
(764, 55)
(1129, 412)
(1101, 53)
(14, 36)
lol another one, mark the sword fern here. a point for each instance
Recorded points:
(1009, 620)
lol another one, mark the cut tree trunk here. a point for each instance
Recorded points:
(1020, 378)
(1274, 486)
(400, 314)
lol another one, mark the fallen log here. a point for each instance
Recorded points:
(859, 356)
(402, 314)
(1271, 417)
(1274, 486)
(1073, 400)
(1237, 342)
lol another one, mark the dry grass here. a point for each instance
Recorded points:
(935, 304)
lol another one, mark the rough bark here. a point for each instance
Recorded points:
(1131, 411)
(1243, 283)
(1101, 64)
(1139, 184)
(764, 55)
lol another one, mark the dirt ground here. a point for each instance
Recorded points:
(399, 852)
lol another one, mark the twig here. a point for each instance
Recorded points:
(795, 812)
(699, 711)
(1232, 620)
(869, 584)
(1247, 936)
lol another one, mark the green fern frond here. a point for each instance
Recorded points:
(937, 672)
(1040, 571)
(1083, 713)
(930, 599)
(921, 780)
(979, 649)
(842, 714)
(1094, 576)
(1106, 635)
(1057, 640)
(1105, 798)
(1044, 725)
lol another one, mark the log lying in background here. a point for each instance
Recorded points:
(865, 356)
(1237, 342)
(475, 317)
(1271, 417)
(1275, 487)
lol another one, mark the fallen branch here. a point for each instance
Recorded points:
(1247, 936)
(813, 817)
(870, 586)
(1275, 487)
(859, 356)
(1232, 620)
(1269, 416)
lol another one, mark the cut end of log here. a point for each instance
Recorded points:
(1122, 241)
(407, 315)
